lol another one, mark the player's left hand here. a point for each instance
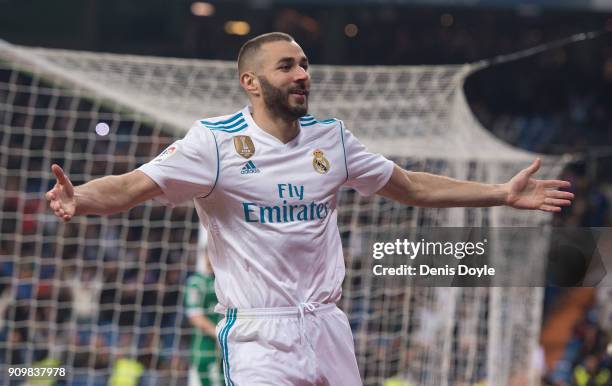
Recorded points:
(524, 192)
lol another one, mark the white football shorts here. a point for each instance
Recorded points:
(288, 346)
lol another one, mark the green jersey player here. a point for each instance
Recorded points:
(200, 300)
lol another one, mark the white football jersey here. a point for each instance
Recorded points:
(270, 208)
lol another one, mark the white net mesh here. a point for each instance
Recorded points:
(100, 288)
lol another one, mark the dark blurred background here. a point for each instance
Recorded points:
(554, 102)
(558, 101)
(332, 31)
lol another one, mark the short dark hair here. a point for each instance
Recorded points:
(251, 47)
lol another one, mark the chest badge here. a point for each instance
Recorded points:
(319, 162)
(244, 145)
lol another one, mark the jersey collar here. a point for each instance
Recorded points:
(267, 137)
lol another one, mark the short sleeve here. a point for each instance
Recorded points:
(367, 172)
(193, 296)
(186, 169)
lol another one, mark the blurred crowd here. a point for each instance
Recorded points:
(90, 312)
(92, 295)
(587, 357)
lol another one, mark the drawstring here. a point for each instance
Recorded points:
(304, 308)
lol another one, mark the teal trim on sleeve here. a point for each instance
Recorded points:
(218, 166)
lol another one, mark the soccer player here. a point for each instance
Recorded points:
(264, 181)
(200, 301)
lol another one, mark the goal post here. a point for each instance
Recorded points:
(98, 289)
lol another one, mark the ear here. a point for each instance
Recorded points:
(250, 83)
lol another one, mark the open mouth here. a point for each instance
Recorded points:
(299, 92)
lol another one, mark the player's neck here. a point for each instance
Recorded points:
(283, 129)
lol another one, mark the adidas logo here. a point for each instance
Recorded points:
(249, 168)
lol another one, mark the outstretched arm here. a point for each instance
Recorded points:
(521, 192)
(106, 195)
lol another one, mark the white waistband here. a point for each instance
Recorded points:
(277, 312)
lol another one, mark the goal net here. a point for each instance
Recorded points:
(86, 293)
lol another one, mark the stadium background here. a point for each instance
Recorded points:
(556, 102)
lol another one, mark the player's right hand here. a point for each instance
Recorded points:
(61, 197)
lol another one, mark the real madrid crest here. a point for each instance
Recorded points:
(319, 162)
(244, 145)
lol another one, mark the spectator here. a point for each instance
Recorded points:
(590, 373)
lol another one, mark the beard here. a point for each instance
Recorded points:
(277, 101)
